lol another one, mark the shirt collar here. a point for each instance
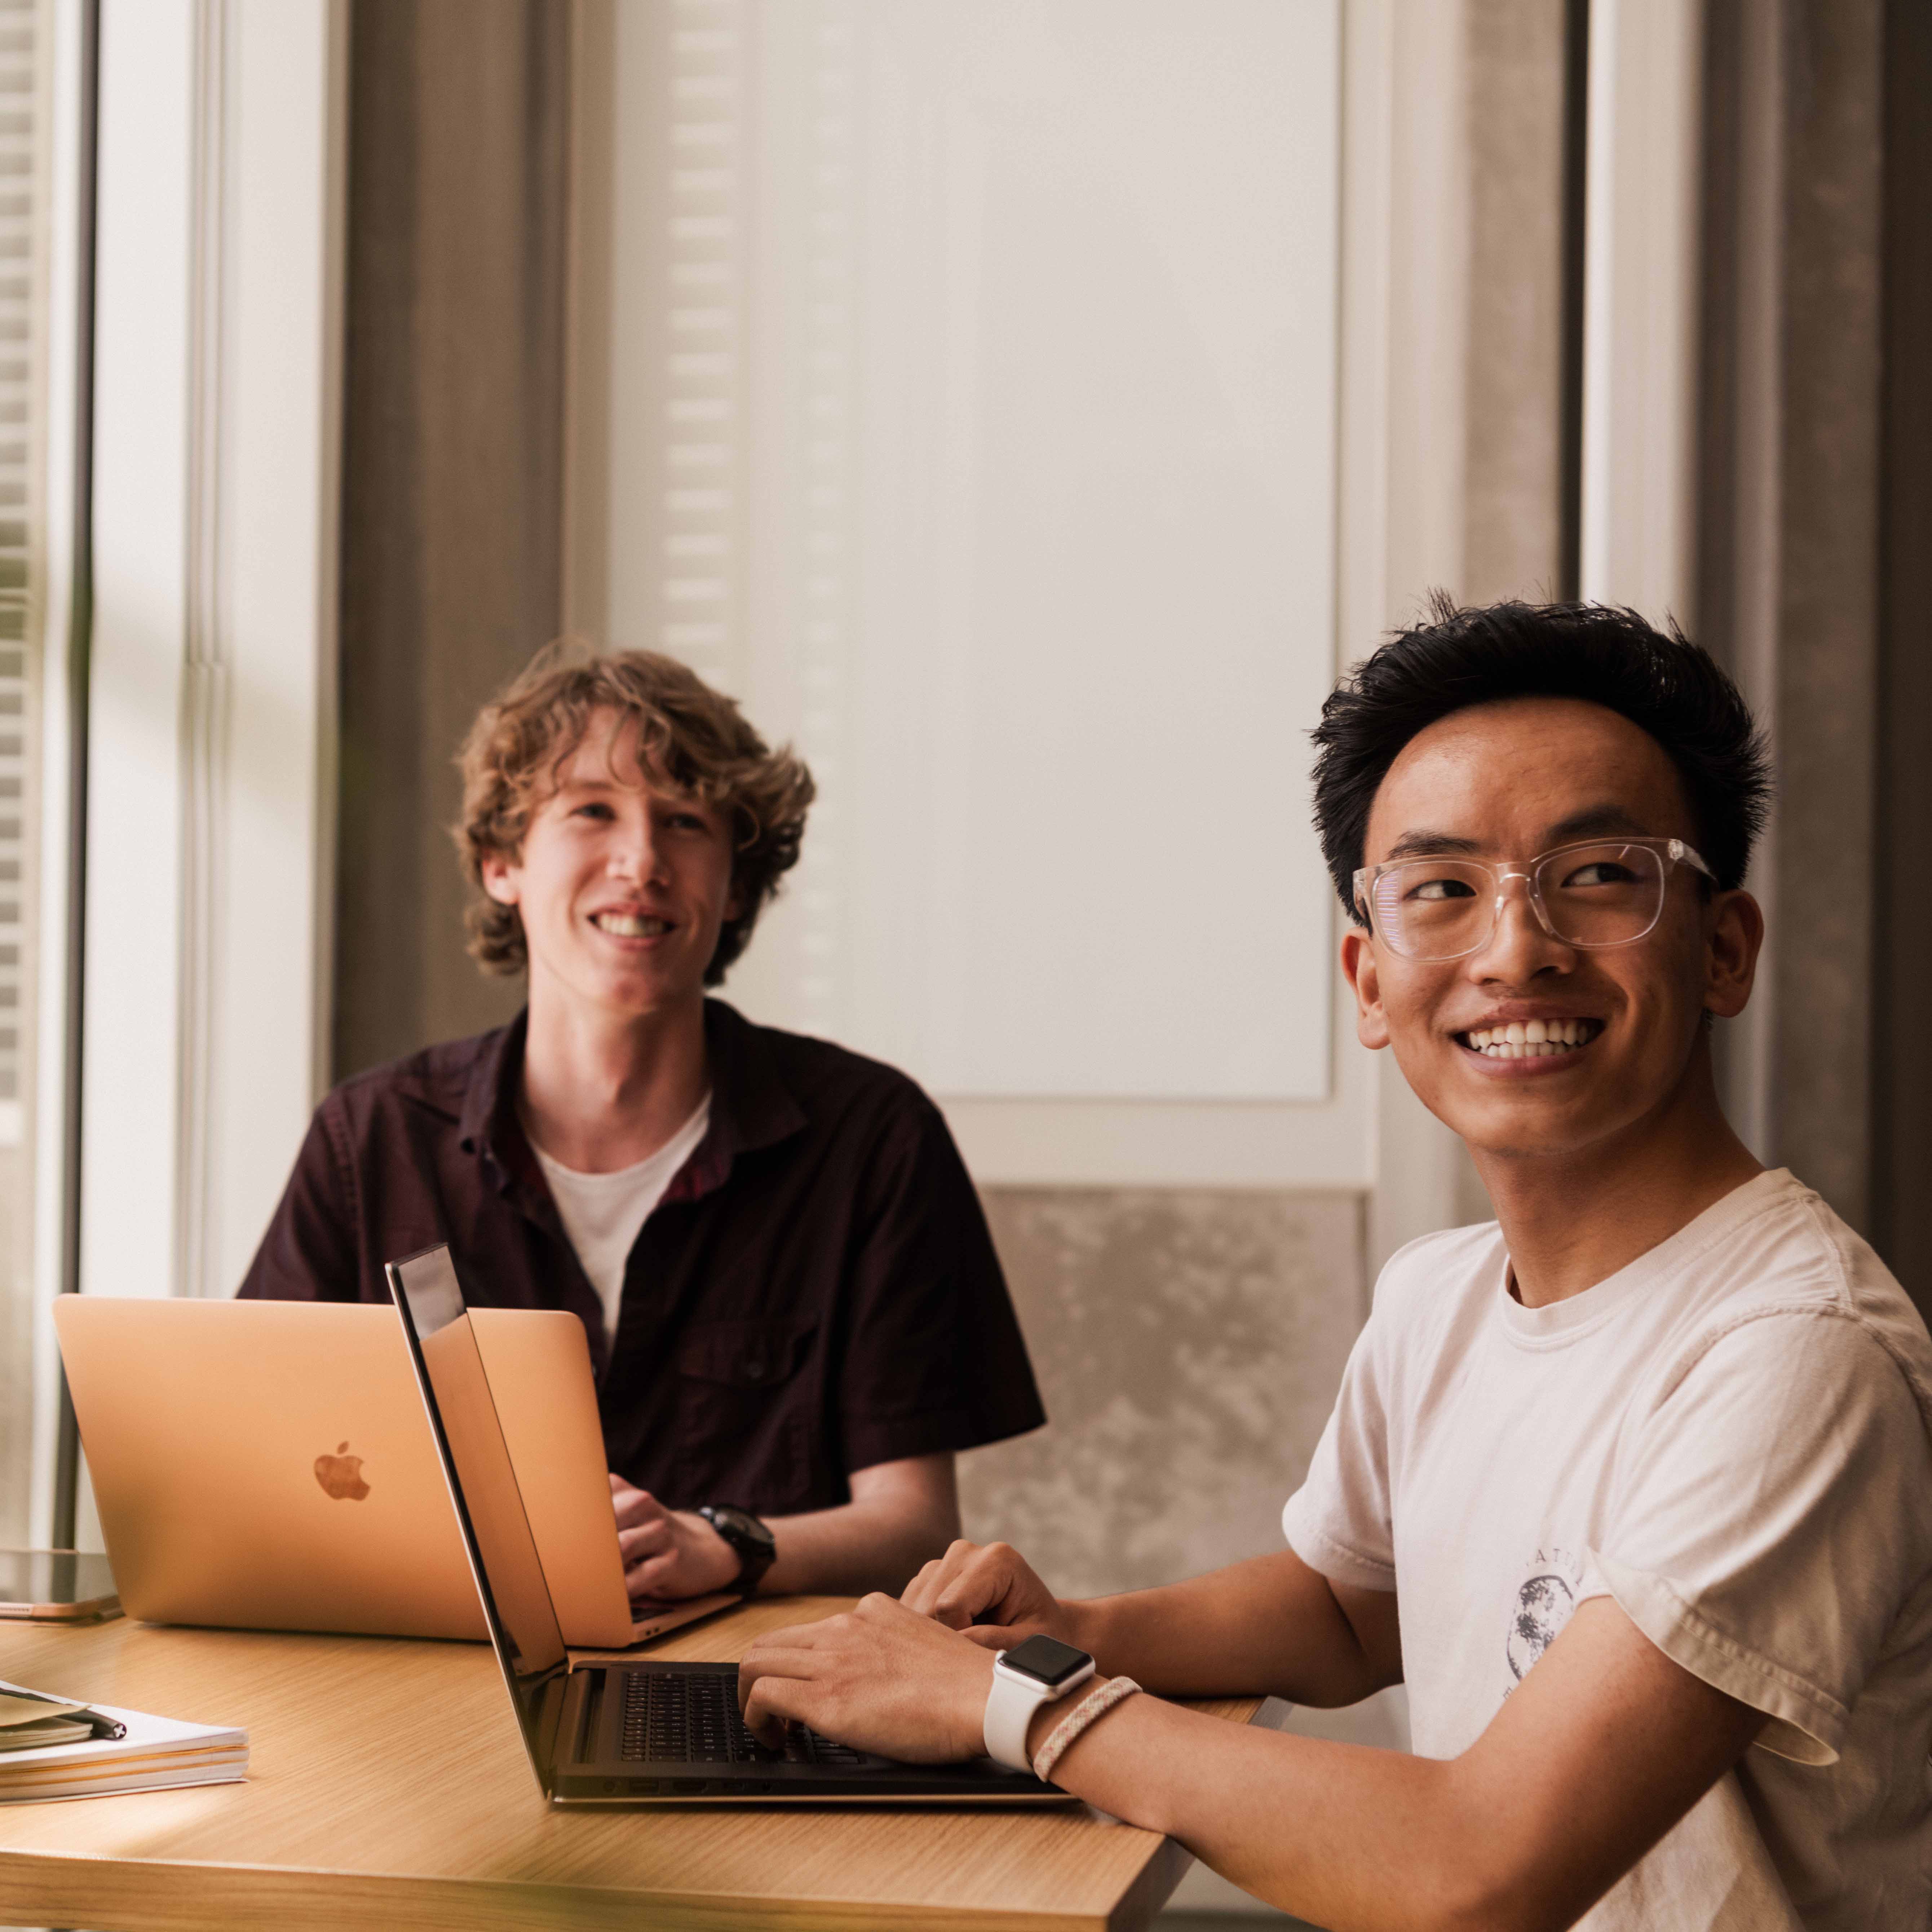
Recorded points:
(751, 1107)
(488, 1125)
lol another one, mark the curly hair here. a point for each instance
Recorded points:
(1661, 681)
(689, 736)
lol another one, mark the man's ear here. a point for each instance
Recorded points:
(498, 879)
(1358, 962)
(1731, 953)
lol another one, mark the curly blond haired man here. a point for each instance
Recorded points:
(793, 1303)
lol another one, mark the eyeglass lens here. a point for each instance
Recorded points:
(1592, 896)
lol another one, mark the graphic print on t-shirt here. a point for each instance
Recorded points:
(1547, 1587)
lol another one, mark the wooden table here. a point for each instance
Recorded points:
(387, 1786)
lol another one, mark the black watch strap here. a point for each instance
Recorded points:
(749, 1536)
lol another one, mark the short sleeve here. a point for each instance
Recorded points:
(1339, 1521)
(309, 1252)
(932, 1356)
(1775, 1516)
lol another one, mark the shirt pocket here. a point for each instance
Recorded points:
(747, 1416)
(750, 1355)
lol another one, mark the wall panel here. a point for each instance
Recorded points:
(1188, 1343)
(973, 385)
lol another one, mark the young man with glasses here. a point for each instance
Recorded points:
(1632, 1487)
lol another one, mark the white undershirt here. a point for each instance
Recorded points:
(602, 1213)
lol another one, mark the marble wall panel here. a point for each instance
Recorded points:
(1188, 1343)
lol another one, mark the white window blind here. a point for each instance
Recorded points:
(21, 41)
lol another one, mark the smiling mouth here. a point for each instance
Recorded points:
(632, 925)
(1530, 1039)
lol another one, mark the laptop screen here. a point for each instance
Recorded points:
(482, 1480)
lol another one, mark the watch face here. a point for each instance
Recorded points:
(1046, 1659)
(743, 1524)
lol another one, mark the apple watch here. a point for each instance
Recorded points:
(753, 1540)
(1030, 1674)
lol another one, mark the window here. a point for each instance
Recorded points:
(22, 308)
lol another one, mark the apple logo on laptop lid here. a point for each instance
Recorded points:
(340, 1475)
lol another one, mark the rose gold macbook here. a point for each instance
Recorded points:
(267, 1465)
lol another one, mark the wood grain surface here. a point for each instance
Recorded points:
(388, 1785)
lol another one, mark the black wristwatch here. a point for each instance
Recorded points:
(754, 1542)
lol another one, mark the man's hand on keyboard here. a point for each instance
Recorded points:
(880, 1677)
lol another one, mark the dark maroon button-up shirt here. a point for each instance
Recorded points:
(816, 1292)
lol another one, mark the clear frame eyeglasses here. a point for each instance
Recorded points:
(1595, 895)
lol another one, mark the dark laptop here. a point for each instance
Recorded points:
(636, 1733)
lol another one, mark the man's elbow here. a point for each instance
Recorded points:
(1477, 1890)
(1504, 1913)
(1455, 1891)
(1474, 1864)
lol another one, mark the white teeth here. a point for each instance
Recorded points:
(626, 926)
(1532, 1039)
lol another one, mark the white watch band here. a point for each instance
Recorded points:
(1010, 1704)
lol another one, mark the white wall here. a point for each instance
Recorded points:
(974, 383)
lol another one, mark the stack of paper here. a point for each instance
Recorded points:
(51, 1748)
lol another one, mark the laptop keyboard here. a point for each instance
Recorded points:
(691, 1717)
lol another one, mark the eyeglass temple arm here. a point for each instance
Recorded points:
(1688, 855)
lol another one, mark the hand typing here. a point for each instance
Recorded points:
(878, 1678)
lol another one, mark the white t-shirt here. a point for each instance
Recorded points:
(602, 1213)
(1730, 1438)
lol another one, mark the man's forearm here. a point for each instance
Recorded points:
(1595, 1754)
(857, 1547)
(902, 1514)
(1270, 1624)
(1313, 1827)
